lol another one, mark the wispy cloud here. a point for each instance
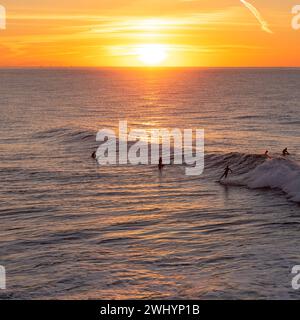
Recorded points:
(264, 24)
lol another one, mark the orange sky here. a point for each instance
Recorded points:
(141, 32)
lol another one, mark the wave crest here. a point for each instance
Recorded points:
(278, 173)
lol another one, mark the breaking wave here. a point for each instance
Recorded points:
(250, 170)
(278, 173)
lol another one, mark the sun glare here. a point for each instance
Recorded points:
(152, 54)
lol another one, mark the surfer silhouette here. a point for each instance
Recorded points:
(267, 154)
(285, 152)
(226, 172)
(160, 164)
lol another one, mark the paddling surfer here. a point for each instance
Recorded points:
(285, 152)
(160, 164)
(267, 154)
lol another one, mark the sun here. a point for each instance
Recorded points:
(152, 54)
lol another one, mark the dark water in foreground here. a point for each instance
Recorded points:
(72, 229)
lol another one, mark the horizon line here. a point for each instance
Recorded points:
(149, 68)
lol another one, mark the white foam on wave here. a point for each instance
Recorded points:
(279, 173)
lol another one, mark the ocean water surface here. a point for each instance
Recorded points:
(71, 229)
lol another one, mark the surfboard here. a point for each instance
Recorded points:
(222, 182)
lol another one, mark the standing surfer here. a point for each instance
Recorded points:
(226, 172)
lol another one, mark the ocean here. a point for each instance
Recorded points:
(72, 229)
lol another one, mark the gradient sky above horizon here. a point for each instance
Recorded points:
(111, 32)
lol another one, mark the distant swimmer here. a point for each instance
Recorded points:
(94, 155)
(267, 154)
(285, 152)
(160, 164)
(226, 172)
